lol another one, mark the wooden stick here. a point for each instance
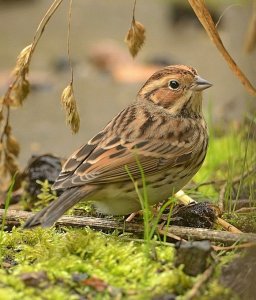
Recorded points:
(245, 210)
(227, 226)
(184, 198)
(212, 235)
(232, 247)
(169, 234)
(15, 217)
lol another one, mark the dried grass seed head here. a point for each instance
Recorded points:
(69, 104)
(135, 37)
(23, 61)
(19, 91)
(12, 145)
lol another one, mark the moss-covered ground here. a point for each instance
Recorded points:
(83, 264)
(68, 263)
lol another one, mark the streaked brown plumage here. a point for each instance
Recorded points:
(164, 129)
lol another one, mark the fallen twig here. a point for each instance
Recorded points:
(240, 203)
(16, 217)
(227, 226)
(244, 210)
(232, 247)
(212, 235)
(165, 232)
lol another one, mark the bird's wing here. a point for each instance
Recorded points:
(106, 161)
(130, 142)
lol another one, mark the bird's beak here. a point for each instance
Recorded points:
(200, 84)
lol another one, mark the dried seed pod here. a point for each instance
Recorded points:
(12, 145)
(135, 37)
(19, 91)
(3, 172)
(1, 150)
(7, 130)
(1, 116)
(11, 164)
(75, 122)
(22, 60)
(69, 104)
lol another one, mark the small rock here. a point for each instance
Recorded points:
(34, 279)
(193, 255)
(42, 167)
(240, 275)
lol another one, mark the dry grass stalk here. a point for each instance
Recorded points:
(205, 18)
(15, 95)
(68, 98)
(224, 12)
(135, 37)
(19, 88)
(46, 18)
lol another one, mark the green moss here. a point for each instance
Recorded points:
(215, 291)
(128, 269)
(245, 222)
(125, 266)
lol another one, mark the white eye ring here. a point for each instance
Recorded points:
(173, 84)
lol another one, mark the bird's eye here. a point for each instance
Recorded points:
(173, 84)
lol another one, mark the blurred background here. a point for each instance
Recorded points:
(106, 78)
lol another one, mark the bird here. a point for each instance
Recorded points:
(161, 138)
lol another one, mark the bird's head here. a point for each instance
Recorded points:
(177, 89)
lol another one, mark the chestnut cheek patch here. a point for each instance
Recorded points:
(166, 97)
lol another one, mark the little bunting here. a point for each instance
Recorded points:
(163, 132)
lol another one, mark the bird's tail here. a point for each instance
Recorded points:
(51, 213)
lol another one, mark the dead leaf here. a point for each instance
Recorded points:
(98, 284)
